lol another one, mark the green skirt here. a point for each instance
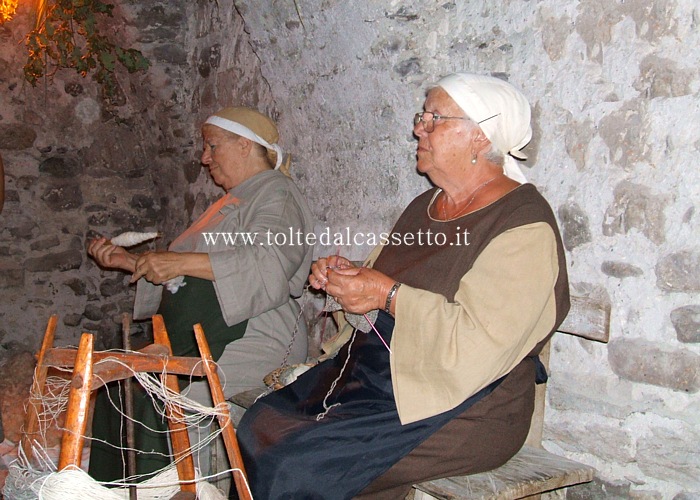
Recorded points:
(196, 302)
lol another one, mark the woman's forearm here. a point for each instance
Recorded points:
(159, 267)
(197, 265)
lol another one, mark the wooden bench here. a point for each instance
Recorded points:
(533, 470)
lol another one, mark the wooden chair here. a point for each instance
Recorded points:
(533, 470)
(92, 369)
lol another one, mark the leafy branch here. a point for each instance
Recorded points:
(67, 36)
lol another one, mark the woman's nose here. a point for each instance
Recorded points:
(206, 157)
(419, 129)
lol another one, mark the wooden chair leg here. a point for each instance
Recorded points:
(78, 405)
(34, 409)
(217, 394)
(179, 438)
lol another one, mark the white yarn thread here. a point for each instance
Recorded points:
(327, 408)
(26, 482)
(76, 483)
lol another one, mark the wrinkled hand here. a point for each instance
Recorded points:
(111, 256)
(158, 267)
(319, 270)
(358, 289)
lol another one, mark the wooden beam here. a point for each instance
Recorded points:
(179, 439)
(110, 366)
(78, 406)
(217, 394)
(36, 405)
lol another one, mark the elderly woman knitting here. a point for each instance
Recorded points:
(242, 293)
(452, 391)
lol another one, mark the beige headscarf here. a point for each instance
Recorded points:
(503, 111)
(255, 126)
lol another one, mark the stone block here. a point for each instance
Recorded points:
(578, 137)
(65, 196)
(24, 230)
(191, 170)
(59, 261)
(687, 495)
(620, 270)
(589, 394)
(16, 136)
(72, 319)
(669, 452)
(11, 196)
(643, 361)
(575, 432)
(93, 312)
(574, 226)
(686, 321)
(661, 77)
(45, 243)
(157, 16)
(61, 167)
(635, 207)
(170, 53)
(679, 272)
(410, 66)
(11, 275)
(112, 286)
(77, 285)
(25, 182)
(141, 201)
(73, 88)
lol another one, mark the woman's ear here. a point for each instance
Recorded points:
(479, 140)
(244, 146)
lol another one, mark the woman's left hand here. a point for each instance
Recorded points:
(158, 267)
(359, 289)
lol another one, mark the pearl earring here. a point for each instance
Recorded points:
(474, 160)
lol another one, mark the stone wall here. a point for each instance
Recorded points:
(78, 164)
(614, 90)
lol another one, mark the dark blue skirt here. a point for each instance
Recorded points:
(289, 454)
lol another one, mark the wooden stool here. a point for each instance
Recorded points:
(92, 369)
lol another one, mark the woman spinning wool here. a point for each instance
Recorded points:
(242, 293)
(464, 319)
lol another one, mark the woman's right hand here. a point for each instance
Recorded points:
(111, 256)
(319, 270)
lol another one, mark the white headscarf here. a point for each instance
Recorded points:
(503, 111)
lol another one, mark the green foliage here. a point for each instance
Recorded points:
(69, 37)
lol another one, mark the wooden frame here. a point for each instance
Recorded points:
(92, 369)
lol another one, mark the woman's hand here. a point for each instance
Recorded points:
(358, 289)
(158, 267)
(111, 256)
(319, 270)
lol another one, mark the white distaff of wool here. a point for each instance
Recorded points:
(131, 238)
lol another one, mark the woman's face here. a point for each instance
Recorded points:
(221, 155)
(448, 146)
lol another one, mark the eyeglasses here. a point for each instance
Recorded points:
(428, 118)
